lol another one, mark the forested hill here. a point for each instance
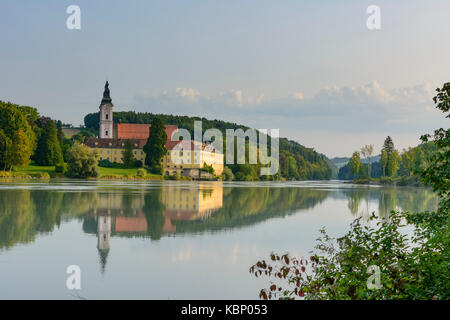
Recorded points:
(297, 162)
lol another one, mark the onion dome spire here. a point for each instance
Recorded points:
(106, 97)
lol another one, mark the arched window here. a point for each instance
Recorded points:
(106, 133)
(106, 116)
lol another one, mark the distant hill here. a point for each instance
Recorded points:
(297, 162)
(339, 162)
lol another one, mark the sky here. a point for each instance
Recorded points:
(311, 69)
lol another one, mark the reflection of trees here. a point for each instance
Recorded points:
(154, 213)
(388, 199)
(246, 206)
(26, 213)
(17, 217)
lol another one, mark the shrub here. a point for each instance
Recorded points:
(62, 168)
(5, 174)
(82, 162)
(138, 164)
(108, 164)
(207, 168)
(415, 268)
(40, 175)
(227, 174)
(141, 172)
(156, 170)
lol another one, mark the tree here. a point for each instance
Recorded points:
(207, 168)
(390, 158)
(406, 162)
(437, 174)
(14, 124)
(227, 174)
(5, 148)
(48, 151)
(20, 149)
(392, 165)
(355, 164)
(128, 157)
(155, 147)
(82, 162)
(367, 152)
(388, 145)
(30, 113)
(384, 161)
(59, 133)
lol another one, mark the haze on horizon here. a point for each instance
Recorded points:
(311, 69)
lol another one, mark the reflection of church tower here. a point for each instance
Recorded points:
(106, 115)
(103, 237)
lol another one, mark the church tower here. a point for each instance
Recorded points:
(103, 239)
(106, 115)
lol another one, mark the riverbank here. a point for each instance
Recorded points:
(33, 171)
(411, 181)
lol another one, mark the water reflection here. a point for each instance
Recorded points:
(363, 201)
(157, 210)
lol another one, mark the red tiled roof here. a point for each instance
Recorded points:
(130, 224)
(140, 131)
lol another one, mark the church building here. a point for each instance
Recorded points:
(183, 157)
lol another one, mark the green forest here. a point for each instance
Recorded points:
(392, 165)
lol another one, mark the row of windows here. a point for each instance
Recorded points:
(121, 152)
(181, 153)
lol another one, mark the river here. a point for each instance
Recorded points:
(171, 239)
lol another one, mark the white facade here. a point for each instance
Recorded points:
(106, 121)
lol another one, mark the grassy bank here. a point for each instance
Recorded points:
(124, 174)
(33, 171)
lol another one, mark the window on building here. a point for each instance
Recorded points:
(106, 115)
(106, 133)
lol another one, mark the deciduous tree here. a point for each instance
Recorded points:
(128, 157)
(155, 147)
(82, 162)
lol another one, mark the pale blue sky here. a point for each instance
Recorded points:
(310, 68)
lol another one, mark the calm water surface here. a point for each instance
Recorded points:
(170, 240)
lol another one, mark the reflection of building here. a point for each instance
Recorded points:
(132, 213)
(103, 238)
(189, 204)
